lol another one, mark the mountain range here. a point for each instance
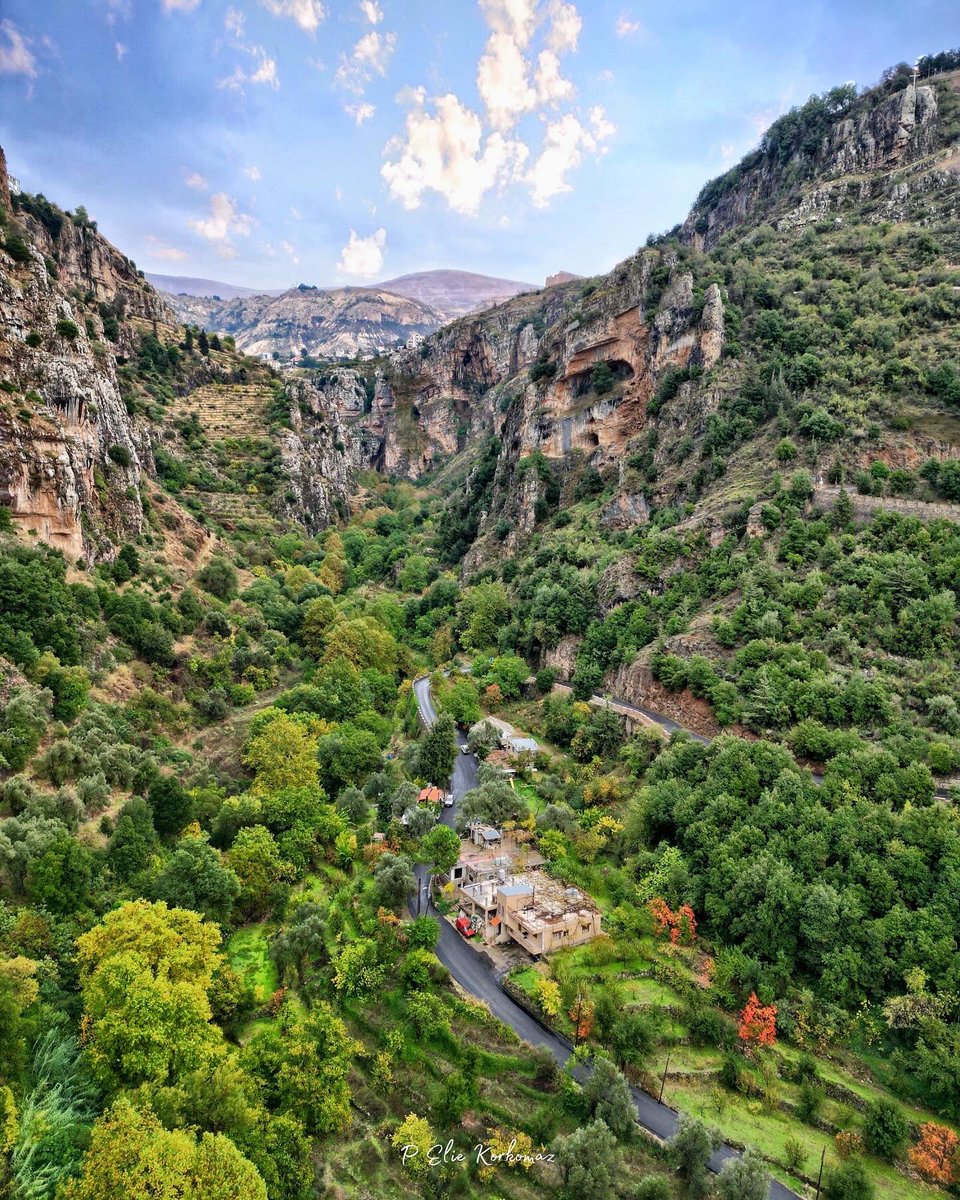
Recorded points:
(337, 322)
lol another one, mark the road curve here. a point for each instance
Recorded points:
(475, 973)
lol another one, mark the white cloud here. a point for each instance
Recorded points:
(502, 81)
(181, 5)
(160, 249)
(628, 27)
(291, 251)
(565, 144)
(121, 51)
(117, 8)
(517, 19)
(296, 214)
(254, 173)
(461, 154)
(15, 56)
(363, 256)
(224, 219)
(446, 153)
(360, 112)
(565, 26)
(197, 181)
(372, 11)
(265, 71)
(552, 88)
(369, 57)
(307, 13)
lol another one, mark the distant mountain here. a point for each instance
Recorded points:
(456, 292)
(185, 284)
(325, 322)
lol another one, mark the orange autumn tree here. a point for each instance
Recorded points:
(681, 926)
(935, 1155)
(758, 1023)
(582, 1014)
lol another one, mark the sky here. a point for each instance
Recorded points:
(271, 142)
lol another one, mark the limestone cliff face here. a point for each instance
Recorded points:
(75, 445)
(70, 455)
(883, 151)
(315, 458)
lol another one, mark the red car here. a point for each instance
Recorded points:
(464, 926)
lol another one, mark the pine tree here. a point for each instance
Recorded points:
(203, 342)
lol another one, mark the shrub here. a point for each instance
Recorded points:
(67, 329)
(17, 248)
(848, 1181)
(33, 340)
(885, 1129)
(120, 455)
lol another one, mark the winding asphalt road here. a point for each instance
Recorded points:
(475, 972)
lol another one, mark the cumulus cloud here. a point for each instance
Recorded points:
(567, 141)
(160, 249)
(552, 88)
(307, 13)
(178, 5)
(460, 154)
(502, 81)
(507, 81)
(224, 219)
(446, 152)
(363, 256)
(291, 251)
(253, 173)
(120, 50)
(359, 112)
(15, 55)
(565, 26)
(372, 11)
(628, 27)
(369, 57)
(197, 181)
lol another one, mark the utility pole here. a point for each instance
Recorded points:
(576, 1031)
(823, 1155)
(663, 1081)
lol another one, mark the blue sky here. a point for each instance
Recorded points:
(269, 142)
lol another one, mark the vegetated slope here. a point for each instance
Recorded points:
(646, 458)
(455, 292)
(320, 323)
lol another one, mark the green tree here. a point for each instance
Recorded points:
(607, 1097)
(885, 1128)
(257, 863)
(743, 1178)
(394, 879)
(588, 1161)
(132, 1157)
(690, 1150)
(439, 849)
(219, 578)
(437, 752)
(282, 753)
(145, 974)
(196, 878)
(171, 805)
(60, 877)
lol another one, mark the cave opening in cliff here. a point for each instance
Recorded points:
(584, 382)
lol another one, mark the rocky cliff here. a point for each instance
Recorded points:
(71, 456)
(631, 384)
(98, 393)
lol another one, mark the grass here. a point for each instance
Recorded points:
(247, 951)
(747, 1122)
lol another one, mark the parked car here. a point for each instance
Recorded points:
(465, 927)
(464, 749)
(448, 800)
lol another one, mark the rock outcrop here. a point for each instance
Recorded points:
(71, 456)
